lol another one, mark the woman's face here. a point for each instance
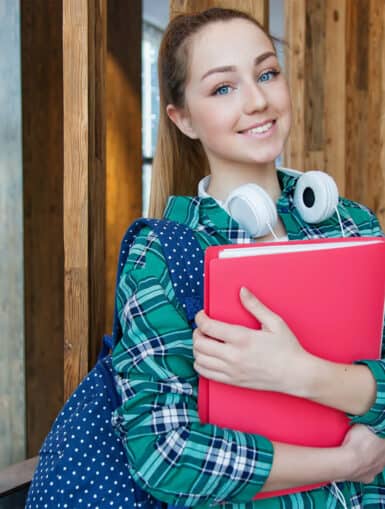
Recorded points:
(238, 100)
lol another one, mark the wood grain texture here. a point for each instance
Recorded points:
(124, 133)
(97, 51)
(75, 192)
(294, 155)
(42, 104)
(357, 106)
(257, 8)
(375, 188)
(335, 91)
(344, 97)
(380, 205)
(315, 73)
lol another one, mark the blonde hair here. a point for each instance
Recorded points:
(179, 161)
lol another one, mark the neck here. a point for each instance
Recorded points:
(223, 182)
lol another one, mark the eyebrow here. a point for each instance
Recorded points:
(232, 68)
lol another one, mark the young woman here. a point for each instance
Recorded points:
(225, 113)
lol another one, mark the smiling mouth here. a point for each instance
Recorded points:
(261, 129)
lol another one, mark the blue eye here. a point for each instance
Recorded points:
(267, 76)
(221, 88)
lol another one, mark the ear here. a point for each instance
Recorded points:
(182, 120)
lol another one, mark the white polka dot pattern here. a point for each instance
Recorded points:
(82, 462)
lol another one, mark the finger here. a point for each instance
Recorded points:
(217, 376)
(262, 313)
(207, 346)
(210, 363)
(218, 330)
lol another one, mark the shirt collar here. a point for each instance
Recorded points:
(195, 211)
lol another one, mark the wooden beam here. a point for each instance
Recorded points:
(17, 476)
(375, 135)
(257, 8)
(83, 91)
(42, 105)
(97, 58)
(338, 117)
(335, 91)
(64, 197)
(124, 132)
(295, 69)
(75, 187)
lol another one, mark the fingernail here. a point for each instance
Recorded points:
(244, 292)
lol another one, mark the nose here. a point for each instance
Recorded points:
(254, 98)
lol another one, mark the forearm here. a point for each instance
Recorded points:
(300, 466)
(347, 387)
(185, 463)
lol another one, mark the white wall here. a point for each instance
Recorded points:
(12, 391)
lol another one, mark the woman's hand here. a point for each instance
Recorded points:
(365, 454)
(266, 359)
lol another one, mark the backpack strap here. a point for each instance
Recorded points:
(184, 258)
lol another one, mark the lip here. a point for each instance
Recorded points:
(259, 124)
(260, 136)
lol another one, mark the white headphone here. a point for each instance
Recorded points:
(315, 198)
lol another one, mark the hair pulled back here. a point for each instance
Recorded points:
(179, 161)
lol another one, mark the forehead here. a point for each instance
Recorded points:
(229, 42)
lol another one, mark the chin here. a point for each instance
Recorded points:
(266, 159)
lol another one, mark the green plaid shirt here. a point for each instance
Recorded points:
(174, 456)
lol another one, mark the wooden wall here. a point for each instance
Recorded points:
(84, 43)
(43, 213)
(64, 193)
(336, 69)
(258, 8)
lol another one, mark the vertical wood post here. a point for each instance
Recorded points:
(84, 165)
(124, 132)
(257, 8)
(64, 199)
(336, 72)
(42, 110)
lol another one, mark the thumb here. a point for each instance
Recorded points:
(261, 312)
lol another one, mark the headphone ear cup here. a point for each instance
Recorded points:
(252, 207)
(316, 196)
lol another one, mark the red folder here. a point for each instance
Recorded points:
(332, 297)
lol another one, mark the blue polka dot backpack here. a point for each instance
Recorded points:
(82, 463)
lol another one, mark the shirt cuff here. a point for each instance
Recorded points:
(374, 418)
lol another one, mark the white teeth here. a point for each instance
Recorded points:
(260, 129)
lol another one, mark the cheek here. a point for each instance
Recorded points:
(211, 120)
(284, 100)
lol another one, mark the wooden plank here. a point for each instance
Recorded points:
(380, 208)
(315, 72)
(97, 51)
(315, 160)
(12, 396)
(294, 155)
(17, 476)
(124, 133)
(75, 192)
(357, 106)
(42, 95)
(257, 8)
(375, 174)
(335, 91)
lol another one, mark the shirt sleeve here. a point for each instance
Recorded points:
(375, 416)
(173, 456)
